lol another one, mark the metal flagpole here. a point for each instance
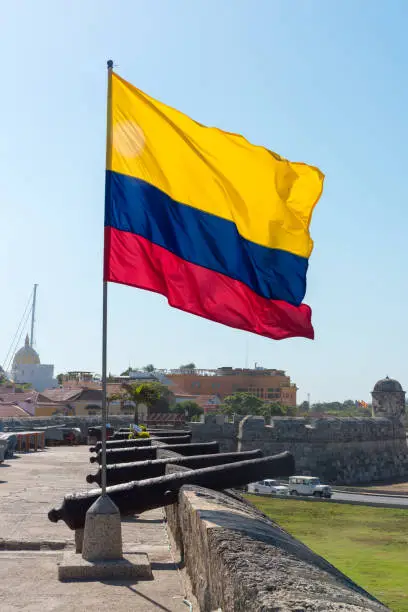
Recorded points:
(105, 287)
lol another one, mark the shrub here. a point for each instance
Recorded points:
(143, 434)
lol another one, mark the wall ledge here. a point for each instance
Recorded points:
(239, 560)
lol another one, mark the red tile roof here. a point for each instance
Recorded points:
(59, 395)
(80, 384)
(70, 395)
(73, 385)
(11, 410)
(13, 398)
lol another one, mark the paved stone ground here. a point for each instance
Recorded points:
(32, 484)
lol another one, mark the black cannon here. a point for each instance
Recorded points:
(139, 470)
(121, 444)
(164, 433)
(173, 439)
(139, 442)
(137, 497)
(96, 432)
(120, 435)
(124, 455)
(128, 454)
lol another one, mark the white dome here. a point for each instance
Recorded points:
(26, 355)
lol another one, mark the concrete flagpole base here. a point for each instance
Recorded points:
(102, 556)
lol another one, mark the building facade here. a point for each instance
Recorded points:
(27, 368)
(268, 384)
(81, 402)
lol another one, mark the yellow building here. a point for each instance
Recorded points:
(80, 402)
(267, 384)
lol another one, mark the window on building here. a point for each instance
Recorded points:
(93, 407)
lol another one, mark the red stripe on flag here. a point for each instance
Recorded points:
(133, 260)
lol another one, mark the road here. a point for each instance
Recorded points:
(385, 501)
(390, 501)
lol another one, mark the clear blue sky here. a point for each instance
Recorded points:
(316, 81)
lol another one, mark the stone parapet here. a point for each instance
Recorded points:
(238, 560)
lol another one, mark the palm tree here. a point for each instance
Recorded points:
(146, 393)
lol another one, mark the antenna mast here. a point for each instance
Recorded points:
(33, 316)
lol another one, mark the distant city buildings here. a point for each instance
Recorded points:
(79, 392)
(207, 388)
(269, 385)
(77, 376)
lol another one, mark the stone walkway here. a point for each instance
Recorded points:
(31, 546)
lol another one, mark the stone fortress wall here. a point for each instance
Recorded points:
(338, 450)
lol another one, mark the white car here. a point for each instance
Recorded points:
(308, 485)
(268, 487)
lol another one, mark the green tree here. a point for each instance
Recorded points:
(192, 409)
(304, 407)
(127, 372)
(60, 378)
(152, 394)
(347, 408)
(274, 409)
(149, 368)
(188, 366)
(242, 403)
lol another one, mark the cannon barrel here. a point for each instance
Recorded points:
(124, 455)
(137, 497)
(121, 444)
(140, 442)
(128, 454)
(173, 439)
(120, 435)
(139, 470)
(161, 434)
(123, 435)
(164, 433)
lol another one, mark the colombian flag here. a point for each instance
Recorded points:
(217, 225)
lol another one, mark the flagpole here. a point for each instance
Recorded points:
(105, 288)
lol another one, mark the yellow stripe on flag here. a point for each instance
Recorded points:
(270, 199)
